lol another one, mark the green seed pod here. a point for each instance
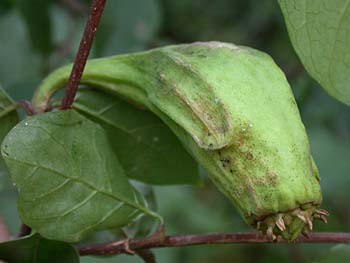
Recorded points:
(233, 110)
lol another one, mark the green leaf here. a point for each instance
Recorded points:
(319, 31)
(70, 182)
(8, 114)
(35, 249)
(36, 14)
(146, 225)
(143, 227)
(145, 146)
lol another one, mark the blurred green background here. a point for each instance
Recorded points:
(37, 36)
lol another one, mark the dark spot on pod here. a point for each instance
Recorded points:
(249, 156)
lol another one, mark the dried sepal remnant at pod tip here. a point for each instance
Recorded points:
(233, 110)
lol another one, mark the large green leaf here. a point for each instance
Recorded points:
(145, 146)
(70, 182)
(319, 31)
(35, 249)
(36, 14)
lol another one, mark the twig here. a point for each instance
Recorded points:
(83, 53)
(191, 240)
(147, 255)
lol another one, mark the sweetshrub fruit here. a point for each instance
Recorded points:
(233, 110)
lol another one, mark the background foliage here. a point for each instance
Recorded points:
(37, 38)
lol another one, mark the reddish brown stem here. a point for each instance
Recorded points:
(203, 239)
(24, 231)
(27, 106)
(147, 255)
(83, 53)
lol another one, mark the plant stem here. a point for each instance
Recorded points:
(24, 231)
(83, 53)
(117, 247)
(27, 106)
(146, 255)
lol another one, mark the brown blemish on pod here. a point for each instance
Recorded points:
(249, 156)
(273, 178)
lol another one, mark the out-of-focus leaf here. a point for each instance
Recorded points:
(145, 146)
(70, 182)
(3, 176)
(319, 31)
(8, 197)
(8, 119)
(127, 25)
(5, 6)
(338, 254)
(8, 114)
(36, 14)
(35, 249)
(7, 194)
(23, 89)
(146, 225)
(332, 157)
(333, 116)
(18, 63)
(183, 22)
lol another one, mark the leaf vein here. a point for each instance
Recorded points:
(118, 198)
